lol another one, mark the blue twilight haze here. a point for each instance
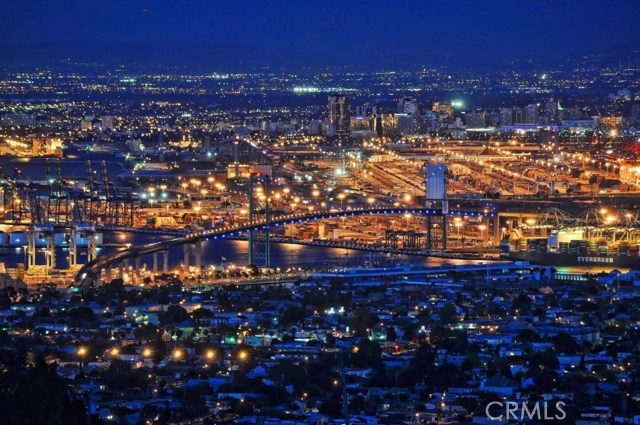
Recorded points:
(475, 32)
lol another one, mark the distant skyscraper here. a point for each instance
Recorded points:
(506, 116)
(475, 120)
(430, 121)
(635, 112)
(408, 105)
(388, 123)
(314, 127)
(408, 113)
(338, 115)
(360, 124)
(366, 110)
(406, 123)
(551, 110)
(518, 116)
(442, 109)
(531, 113)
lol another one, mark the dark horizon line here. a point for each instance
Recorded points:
(198, 54)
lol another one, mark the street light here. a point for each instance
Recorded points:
(210, 355)
(458, 225)
(82, 351)
(177, 354)
(147, 352)
(341, 196)
(482, 228)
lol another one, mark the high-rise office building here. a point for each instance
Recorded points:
(531, 113)
(366, 110)
(551, 108)
(430, 121)
(406, 123)
(506, 116)
(442, 109)
(518, 116)
(338, 114)
(408, 114)
(408, 105)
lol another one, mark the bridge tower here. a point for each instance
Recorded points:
(264, 179)
(436, 198)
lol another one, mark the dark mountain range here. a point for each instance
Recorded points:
(242, 58)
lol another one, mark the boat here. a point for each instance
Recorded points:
(559, 259)
(579, 246)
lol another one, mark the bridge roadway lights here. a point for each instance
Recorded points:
(290, 219)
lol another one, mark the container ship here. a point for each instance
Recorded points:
(577, 247)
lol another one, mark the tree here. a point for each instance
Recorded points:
(332, 406)
(36, 395)
(366, 354)
(521, 304)
(391, 334)
(543, 360)
(444, 376)
(448, 313)
(564, 343)
(175, 314)
(292, 315)
(419, 366)
(82, 313)
(201, 313)
(119, 376)
(194, 398)
(528, 335)
(147, 332)
(362, 321)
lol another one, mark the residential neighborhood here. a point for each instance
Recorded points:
(320, 350)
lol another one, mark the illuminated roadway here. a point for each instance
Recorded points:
(90, 271)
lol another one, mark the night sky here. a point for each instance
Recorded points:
(490, 29)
